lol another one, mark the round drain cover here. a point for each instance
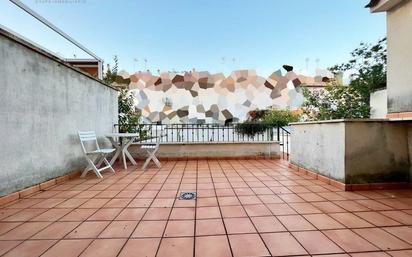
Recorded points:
(187, 196)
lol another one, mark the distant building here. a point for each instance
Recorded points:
(90, 66)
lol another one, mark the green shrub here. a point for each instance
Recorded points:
(251, 128)
(279, 118)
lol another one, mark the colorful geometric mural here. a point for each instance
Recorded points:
(201, 97)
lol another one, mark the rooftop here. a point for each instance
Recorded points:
(244, 208)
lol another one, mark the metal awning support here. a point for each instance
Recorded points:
(60, 32)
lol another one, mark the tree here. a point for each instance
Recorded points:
(129, 116)
(111, 72)
(335, 102)
(368, 65)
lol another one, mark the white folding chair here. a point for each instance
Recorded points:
(96, 156)
(152, 147)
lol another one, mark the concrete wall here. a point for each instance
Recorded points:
(353, 151)
(378, 104)
(217, 149)
(43, 103)
(399, 27)
(319, 147)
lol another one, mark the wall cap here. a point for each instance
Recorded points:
(338, 121)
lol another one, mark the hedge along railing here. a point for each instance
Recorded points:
(198, 133)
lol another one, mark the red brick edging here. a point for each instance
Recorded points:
(349, 187)
(394, 115)
(36, 188)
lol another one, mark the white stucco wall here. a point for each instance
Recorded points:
(43, 103)
(399, 30)
(378, 103)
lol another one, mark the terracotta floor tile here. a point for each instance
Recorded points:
(133, 214)
(182, 214)
(207, 201)
(403, 253)
(94, 203)
(382, 239)
(239, 225)
(207, 212)
(150, 228)
(68, 248)
(249, 199)
(178, 228)
(140, 202)
(48, 203)
(374, 205)
(184, 203)
(323, 221)
(140, 247)
(267, 224)
(88, 229)
(104, 248)
(24, 231)
(157, 214)
(311, 197)
(349, 241)
(370, 254)
(176, 247)
(280, 209)
(240, 196)
(6, 246)
(377, 219)
(56, 230)
(270, 198)
(7, 226)
(30, 248)
(117, 203)
(304, 208)
(233, 211)
(228, 200)
(78, 215)
(210, 227)
(119, 229)
(295, 223)
(4, 213)
(52, 215)
(163, 202)
(212, 246)
(257, 210)
(399, 216)
(291, 198)
(328, 207)
(350, 220)
(404, 232)
(25, 215)
(351, 206)
(316, 243)
(105, 214)
(247, 245)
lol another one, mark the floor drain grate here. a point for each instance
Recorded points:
(187, 196)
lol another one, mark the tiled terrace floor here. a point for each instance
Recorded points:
(244, 208)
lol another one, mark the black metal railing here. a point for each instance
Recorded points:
(189, 133)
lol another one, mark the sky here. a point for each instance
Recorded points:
(212, 35)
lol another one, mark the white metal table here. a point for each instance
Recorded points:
(121, 147)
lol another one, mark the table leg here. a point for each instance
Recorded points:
(126, 152)
(118, 150)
